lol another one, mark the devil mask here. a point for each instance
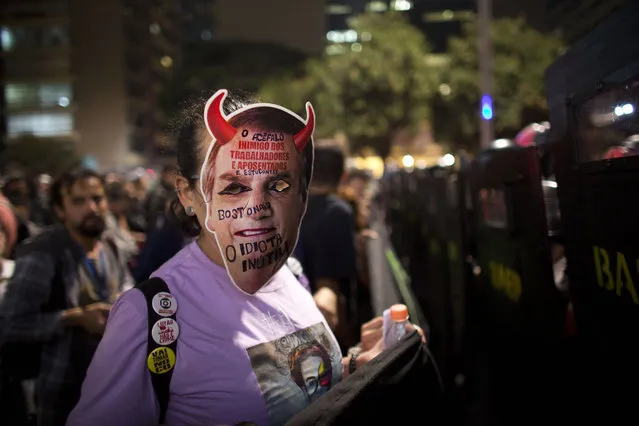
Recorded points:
(254, 180)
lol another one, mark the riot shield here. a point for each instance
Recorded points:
(448, 271)
(434, 288)
(403, 213)
(409, 245)
(405, 225)
(593, 97)
(456, 216)
(518, 313)
(516, 285)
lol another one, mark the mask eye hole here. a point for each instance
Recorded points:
(279, 186)
(234, 189)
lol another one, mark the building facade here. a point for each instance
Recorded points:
(294, 24)
(87, 73)
(438, 19)
(575, 18)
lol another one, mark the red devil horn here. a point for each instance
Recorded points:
(304, 136)
(221, 130)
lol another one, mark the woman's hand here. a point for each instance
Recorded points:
(372, 341)
(371, 345)
(371, 334)
(410, 327)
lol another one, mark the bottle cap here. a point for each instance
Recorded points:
(399, 312)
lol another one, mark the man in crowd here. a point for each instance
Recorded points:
(55, 307)
(326, 246)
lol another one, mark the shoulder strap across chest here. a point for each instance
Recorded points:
(163, 332)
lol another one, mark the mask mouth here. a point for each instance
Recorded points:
(254, 232)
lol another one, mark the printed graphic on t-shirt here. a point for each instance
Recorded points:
(295, 370)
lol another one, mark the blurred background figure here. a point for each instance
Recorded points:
(118, 228)
(42, 214)
(137, 185)
(16, 189)
(57, 301)
(12, 398)
(156, 200)
(326, 245)
(162, 243)
(356, 191)
(8, 238)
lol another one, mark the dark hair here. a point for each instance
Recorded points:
(275, 120)
(66, 180)
(169, 168)
(185, 130)
(329, 165)
(116, 191)
(359, 174)
(14, 193)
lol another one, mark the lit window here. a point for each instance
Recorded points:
(34, 37)
(449, 15)
(402, 5)
(444, 89)
(63, 101)
(25, 95)
(166, 61)
(50, 94)
(347, 36)
(154, 28)
(40, 124)
(8, 41)
(377, 6)
(338, 9)
(18, 38)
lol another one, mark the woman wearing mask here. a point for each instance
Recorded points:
(252, 346)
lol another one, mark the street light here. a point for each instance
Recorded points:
(486, 107)
(485, 72)
(408, 161)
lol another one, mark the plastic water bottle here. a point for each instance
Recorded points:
(394, 328)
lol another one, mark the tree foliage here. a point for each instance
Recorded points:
(369, 92)
(520, 57)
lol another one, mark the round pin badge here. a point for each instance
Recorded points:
(164, 304)
(161, 360)
(165, 331)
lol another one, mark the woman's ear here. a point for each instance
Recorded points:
(193, 202)
(185, 192)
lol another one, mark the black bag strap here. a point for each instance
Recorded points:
(161, 356)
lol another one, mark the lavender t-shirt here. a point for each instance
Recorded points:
(240, 358)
